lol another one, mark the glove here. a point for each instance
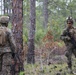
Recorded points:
(67, 38)
(13, 55)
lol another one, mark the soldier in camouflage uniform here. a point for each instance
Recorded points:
(5, 50)
(70, 49)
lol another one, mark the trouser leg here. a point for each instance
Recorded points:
(6, 64)
(69, 56)
(69, 62)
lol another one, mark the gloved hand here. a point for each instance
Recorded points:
(13, 55)
(67, 38)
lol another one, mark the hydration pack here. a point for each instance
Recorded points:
(2, 36)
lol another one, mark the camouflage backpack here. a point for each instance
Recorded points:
(2, 36)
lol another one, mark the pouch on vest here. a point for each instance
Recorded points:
(75, 34)
(2, 36)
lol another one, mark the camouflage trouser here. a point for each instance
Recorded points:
(6, 64)
(68, 54)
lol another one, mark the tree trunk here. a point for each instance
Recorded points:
(71, 13)
(31, 37)
(9, 8)
(45, 13)
(4, 6)
(17, 28)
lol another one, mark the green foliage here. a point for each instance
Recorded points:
(25, 34)
(56, 25)
(58, 11)
(51, 69)
(60, 44)
(40, 33)
(9, 25)
(22, 73)
(25, 39)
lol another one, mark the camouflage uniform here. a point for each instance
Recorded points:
(5, 51)
(69, 46)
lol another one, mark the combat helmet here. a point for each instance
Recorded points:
(4, 19)
(69, 19)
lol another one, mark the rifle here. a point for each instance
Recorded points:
(72, 40)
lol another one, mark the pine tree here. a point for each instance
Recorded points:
(31, 37)
(17, 22)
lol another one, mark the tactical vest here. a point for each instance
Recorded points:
(73, 33)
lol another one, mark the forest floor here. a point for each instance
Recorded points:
(49, 62)
(57, 68)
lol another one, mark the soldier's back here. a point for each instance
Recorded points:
(6, 47)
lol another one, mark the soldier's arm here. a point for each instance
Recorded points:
(64, 36)
(12, 42)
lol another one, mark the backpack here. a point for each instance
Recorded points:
(2, 36)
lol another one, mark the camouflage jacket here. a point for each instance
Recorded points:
(10, 44)
(64, 36)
